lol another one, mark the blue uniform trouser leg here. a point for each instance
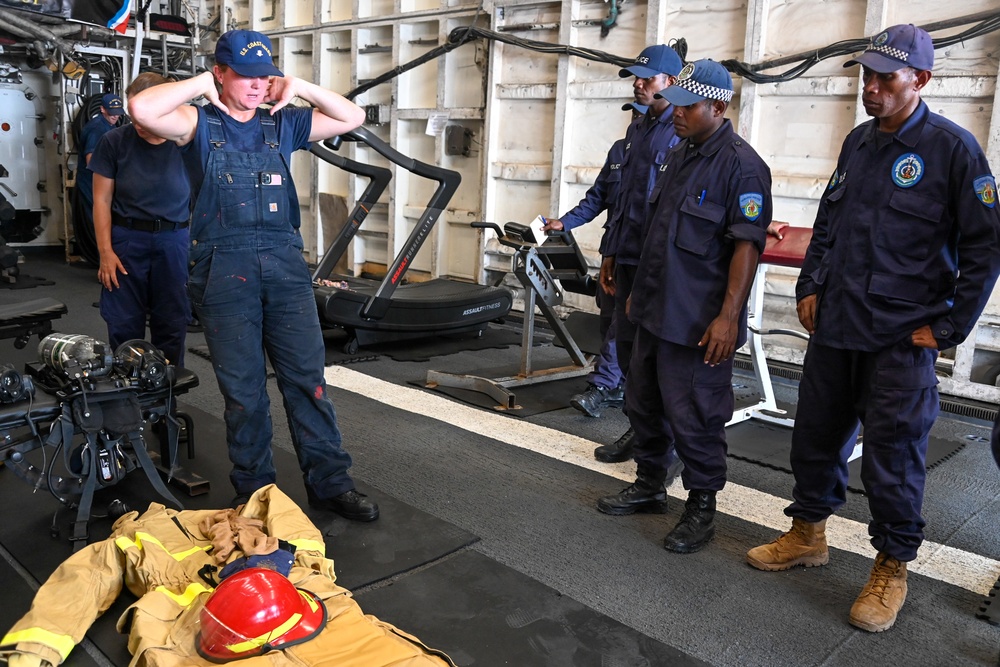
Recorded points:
(893, 392)
(169, 310)
(155, 284)
(606, 372)
(674, 398)
(624, 329)
(256, 299)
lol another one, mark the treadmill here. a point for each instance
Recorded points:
(374, 311)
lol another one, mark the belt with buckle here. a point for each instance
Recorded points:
(157, 225)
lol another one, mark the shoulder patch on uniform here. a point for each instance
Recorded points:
(833, 180)
(751, 203)
(986, 190)
(907, 170)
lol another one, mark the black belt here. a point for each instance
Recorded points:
(157, 225)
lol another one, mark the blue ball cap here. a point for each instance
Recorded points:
(700, 80)
(247, 52)
(636, 107)
(112, 104)
(897, 47)
(657, 59)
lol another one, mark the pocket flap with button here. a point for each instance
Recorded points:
(698, 225)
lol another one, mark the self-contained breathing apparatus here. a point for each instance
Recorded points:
(85, 409)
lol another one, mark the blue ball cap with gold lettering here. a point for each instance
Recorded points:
(247, 52)
(656, 59)
(112, 104)
(897, 47)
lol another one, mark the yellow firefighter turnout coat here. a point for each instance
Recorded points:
(158, 556)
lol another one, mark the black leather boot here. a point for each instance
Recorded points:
(647, 494)
(697, 525)
(618, 451)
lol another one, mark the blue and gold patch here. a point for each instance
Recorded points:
(751, 203)
(986, 190)
(833, 180)
(907, 170)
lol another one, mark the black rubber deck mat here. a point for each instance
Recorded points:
(507, 618)
(334, 356)
(585, 328)
(422, 349)
(989, 610)
(402, 539)
(17, 596)
(770, 445)
(25, 282)
(532, 399)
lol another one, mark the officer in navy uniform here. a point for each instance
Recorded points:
(110, 113)
(647, 141)
(142, 234)
(248, 282)
(902, 261)
(711, 209)
(605, 384)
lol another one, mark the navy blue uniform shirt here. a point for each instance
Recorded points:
(150, 182)
(293, 125)
(647, 143)
(707, 198)
(90, 135)
(602, 195)
(905, 236)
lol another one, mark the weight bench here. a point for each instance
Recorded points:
(546, 270)
(789, 251)
(21, 321)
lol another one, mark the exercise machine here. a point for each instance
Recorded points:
(546, 271)
(374, 311)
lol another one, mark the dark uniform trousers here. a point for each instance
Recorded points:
(893, 393)
(624, 329)
(674, 397)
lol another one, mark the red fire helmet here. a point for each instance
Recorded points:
(255, 611)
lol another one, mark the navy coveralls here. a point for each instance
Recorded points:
(601, 196)
(149, 234)
(252, 291)
(647, 143)
(708, 198)
(905, 236)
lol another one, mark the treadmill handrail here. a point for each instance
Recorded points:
(448, 181)
(379, 178)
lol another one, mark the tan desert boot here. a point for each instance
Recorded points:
(804, 544)
(882, 597)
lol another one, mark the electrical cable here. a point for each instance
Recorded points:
(847, 48)
(464, 35)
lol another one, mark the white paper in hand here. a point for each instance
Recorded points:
(536, 229)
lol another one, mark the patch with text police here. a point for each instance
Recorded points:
(907, 170)
(986, 190)
(751, 203)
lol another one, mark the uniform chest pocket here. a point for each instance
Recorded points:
(237, 197)
(912, 225)
(698, 225)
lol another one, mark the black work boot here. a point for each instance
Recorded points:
(351, 505)
(647, 494)
(620, 450)
(592, 401)
(697, 525)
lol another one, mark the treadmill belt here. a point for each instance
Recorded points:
(770, 445)
(507, 618)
